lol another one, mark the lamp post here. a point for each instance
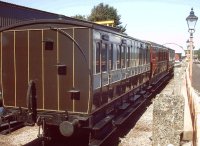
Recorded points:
(191, 21)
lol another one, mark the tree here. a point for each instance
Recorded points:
(198, 53)
(81, 17)
(105, 12)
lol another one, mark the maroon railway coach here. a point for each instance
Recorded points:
(162, 61)
(76, 77)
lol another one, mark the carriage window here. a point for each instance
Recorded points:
(134, 53)
(62, 69)
(104, 55)
(164, 55)
(123, 56)
(160, 55)
(147, 54)
(111, 57)
(140, 55)
(48, 45)
(97, 57)
(131, 56)
(118, 57)
(128, 57)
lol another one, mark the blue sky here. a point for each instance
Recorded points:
(161, 21)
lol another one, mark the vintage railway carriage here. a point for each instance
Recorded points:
(75, 76)
(171, 61)
(159, 61)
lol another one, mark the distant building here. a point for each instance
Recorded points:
(177, 56)
(11, 13)
(187, 54)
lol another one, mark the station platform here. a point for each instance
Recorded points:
(190, 90)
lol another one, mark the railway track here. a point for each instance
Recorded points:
(9, 127)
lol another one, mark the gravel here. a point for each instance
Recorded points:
(19, 137)
(141, 134)
(162, 122)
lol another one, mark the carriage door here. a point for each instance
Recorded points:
(58, 72)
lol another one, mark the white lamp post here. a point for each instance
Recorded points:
(191, 21)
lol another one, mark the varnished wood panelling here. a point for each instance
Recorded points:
(50, 71)
(81, 73)
(8, 68)
(21, 59)
(1, 88)
(35, 63)
(65, 51)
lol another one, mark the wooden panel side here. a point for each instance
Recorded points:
(1, 61)
(35, 63)
(21, 58)
(65, 82)
(81, 72)
(50, 71)
(8, 77)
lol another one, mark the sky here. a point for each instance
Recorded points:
(160, 21)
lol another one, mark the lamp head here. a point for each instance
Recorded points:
(191, 21)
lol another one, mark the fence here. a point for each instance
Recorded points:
(194, 105)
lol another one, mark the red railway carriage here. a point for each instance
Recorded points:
(77, 77)
(161, 61)
(171, 61)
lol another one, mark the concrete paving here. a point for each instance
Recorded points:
(196, 77)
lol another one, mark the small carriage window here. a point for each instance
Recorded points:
(98, 57)
(48, 45)
(75, 94)
(62, 69)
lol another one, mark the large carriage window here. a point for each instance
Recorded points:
(111, 57)
(140, 56)
(134, 53)
(160, 55)
(145, 55)
(104, 57)
(148, 55)
(131, 55)
(97, 57)
(118, 57)
(128, 56)
(123, 56)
